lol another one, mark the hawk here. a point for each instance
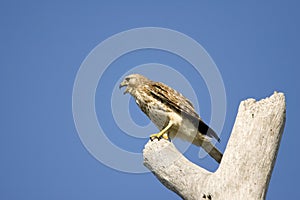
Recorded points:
(172, 113)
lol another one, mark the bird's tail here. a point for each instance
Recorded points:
(210, 149)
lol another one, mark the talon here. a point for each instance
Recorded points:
(165, 136)
(159, 136)
(162, 134)
(153, 136)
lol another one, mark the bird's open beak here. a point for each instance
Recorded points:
(124, 84)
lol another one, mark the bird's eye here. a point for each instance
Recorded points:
(127, 79)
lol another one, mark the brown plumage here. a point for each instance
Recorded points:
(171, 112)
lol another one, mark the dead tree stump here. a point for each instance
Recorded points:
(247, 164)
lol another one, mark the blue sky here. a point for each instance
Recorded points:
(43, 43)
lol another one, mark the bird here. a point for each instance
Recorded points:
(171, 112)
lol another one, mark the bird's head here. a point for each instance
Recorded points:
(133, 81)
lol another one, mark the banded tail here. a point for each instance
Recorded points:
(210, 149)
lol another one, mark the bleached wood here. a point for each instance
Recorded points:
(248, 160)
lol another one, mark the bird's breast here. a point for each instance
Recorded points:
(159, 115)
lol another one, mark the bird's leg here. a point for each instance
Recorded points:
(163, 133)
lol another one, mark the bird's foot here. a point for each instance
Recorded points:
(166, 136)
(158, 136)
(154, 136)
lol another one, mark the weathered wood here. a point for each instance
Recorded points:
(248, 160)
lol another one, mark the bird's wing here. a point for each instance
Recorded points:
(181, 105)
